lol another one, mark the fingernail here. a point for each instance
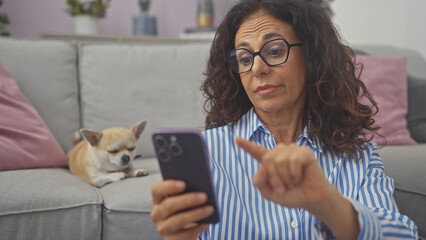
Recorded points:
(179, 184)
(190, 225)
(201, 197)
(208, 210)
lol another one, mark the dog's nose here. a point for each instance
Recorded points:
(125, 159)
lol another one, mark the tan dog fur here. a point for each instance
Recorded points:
(106, 156)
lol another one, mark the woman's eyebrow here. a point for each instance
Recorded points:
(271, 35)
(243, 44)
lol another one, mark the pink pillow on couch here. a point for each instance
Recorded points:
(25, 140)
(386, 80)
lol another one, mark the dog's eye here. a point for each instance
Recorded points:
(113, 151)
(131, 149)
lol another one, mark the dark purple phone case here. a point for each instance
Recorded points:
(189, 163)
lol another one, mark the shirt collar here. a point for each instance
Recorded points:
(315, 141)
(250, 124)
(253, 124)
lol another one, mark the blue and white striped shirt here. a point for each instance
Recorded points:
(245, 214)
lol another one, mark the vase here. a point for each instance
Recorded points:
(144, 25)
(85, 24)
(204, 13)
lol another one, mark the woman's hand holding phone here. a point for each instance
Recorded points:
(169, 201)
(184, 203)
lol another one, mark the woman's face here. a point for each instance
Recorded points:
(277, 89)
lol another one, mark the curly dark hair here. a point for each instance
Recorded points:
(333, 85)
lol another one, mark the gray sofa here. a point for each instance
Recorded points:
(97, 85)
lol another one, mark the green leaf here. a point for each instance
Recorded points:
(4, 18)
(4, 31)
(144, 5)
(96, 8)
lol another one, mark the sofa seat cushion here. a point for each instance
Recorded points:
(127, 205)
(48, 204)
(406, 165)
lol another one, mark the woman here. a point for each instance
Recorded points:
(288, 139)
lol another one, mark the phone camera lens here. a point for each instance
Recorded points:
(160, 141)
(175, 148)
(164, 155)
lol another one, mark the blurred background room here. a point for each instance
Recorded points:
(391, 22)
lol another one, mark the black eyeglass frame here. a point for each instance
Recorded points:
(254, 54)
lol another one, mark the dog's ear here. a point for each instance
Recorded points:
(91, 136)
(77, 137)
(138, 128)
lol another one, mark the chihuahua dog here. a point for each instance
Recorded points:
(106, 156)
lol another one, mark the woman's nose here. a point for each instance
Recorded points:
(259, 66)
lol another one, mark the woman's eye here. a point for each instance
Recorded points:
(276, 52)
(245, 61)
(113, 151)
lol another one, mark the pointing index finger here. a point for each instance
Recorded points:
(254, 149)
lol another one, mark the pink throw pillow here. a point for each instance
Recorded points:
(25, 140)
(386, 80)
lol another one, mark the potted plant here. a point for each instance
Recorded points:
(144, 5)
(144, 24)
(4, 21)
(86, 14)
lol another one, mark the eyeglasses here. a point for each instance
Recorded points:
(273, 53)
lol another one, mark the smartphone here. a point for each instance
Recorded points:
(182, 154)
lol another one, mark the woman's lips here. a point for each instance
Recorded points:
(266, 89)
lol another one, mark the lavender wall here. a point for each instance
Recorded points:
(31, 17)
(398, 24)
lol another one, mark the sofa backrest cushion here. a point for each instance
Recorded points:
(25, 140)
(123, 84)
(46, 73)
(416, 83)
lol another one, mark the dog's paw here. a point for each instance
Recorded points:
(140, 172)
(104, 179)
(117, 176)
